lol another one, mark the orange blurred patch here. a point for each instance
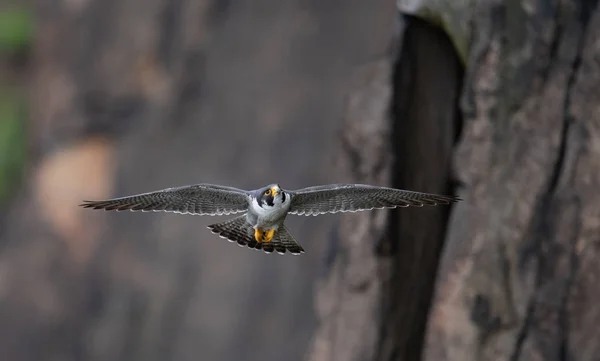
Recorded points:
(82, 171)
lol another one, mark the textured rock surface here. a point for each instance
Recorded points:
(516, 278)
(455, 17)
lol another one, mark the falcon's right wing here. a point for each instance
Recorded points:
(199, 199)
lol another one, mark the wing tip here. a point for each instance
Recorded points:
(106, 205)
(445, 200)
(91, 204)
(455, 199)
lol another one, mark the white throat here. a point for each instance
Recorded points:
(278, 207)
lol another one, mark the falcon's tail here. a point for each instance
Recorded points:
(239, 231)
(283, 241)
(234, 230)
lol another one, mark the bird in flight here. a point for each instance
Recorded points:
(261, 226)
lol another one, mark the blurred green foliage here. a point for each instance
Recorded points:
(12, 143)
(16, 31)
(16, 28)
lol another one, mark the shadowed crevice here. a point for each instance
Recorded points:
(426, 122)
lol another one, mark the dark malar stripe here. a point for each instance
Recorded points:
(270, 201)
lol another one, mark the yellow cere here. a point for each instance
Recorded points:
(274, 191)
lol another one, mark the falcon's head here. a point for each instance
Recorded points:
(271, 196)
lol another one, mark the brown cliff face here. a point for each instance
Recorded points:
(135, 95)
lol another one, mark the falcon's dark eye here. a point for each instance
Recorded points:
(267, 192)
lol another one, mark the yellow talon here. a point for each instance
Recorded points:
(258, 235)
(263, 236)
(269, 235)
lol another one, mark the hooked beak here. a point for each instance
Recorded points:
(275, 191)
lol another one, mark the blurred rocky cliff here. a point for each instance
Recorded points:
(126, 96)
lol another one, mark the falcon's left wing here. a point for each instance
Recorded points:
(336, 198)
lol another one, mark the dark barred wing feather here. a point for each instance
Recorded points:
(335, 198)
(199, 199)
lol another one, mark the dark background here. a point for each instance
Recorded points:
(130, 96)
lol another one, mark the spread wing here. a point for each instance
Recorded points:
(199, 199)
(335, 198)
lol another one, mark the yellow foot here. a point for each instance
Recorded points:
(269, 235)
(263, 236)
(258, 235)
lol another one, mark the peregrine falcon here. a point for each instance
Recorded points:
(265, 209)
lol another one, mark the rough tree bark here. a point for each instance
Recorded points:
(516, 280)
